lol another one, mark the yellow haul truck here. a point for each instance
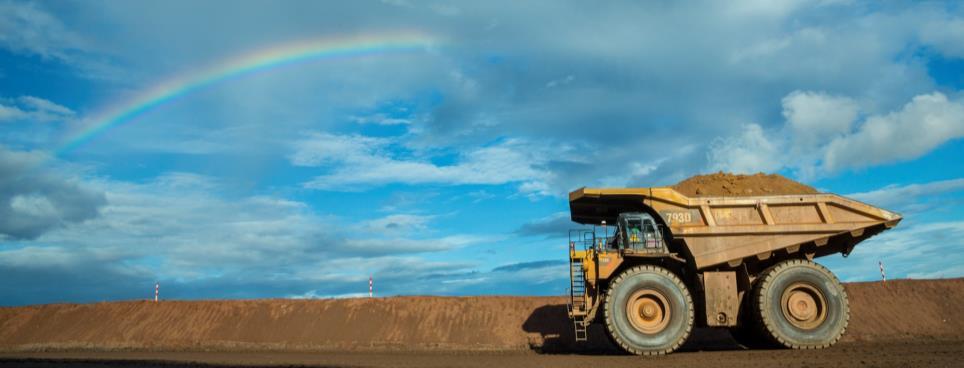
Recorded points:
(666, 262)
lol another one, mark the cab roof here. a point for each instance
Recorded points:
(594, 205)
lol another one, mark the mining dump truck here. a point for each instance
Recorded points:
(657, 263)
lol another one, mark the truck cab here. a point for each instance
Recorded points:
(638, 232)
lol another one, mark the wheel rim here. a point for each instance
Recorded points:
(804, 306)
(648, 311)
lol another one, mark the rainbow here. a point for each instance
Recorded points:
(245, 64)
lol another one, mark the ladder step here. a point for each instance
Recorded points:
(580, 331)
(577, 292)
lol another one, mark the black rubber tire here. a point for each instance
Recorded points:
(747, 331)
(680, 305)
(768, 317)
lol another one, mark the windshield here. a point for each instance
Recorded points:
(640, 232)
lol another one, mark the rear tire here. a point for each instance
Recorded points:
(747, 331)
(648, 311)
(799, 304)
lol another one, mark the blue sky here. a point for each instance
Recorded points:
(444, 170)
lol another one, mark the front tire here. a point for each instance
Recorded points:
(799, 304)
(649, 311)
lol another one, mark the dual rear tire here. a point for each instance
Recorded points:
(796, 304)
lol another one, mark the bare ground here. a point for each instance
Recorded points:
(853, 354)
(896, 310)
(903, 323)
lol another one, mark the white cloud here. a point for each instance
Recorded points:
(536, 188)
(24, 27)
(27, 28)
(182, 220)
(556, 225)
(11, 113)
(817, 136)
(908, 197)
(560, 82)
(181, 227)
(632, 170)
(776, 46)
(445, 9)
(366, 245)
(185, 181)
(33, 205)
(750, 152)
(814, 116)
(480, 196)
(951, 271)
(35, 199)
(775, 8)
(324, 149)
(397, 223)
(40, 104)
(34, 109)
(641, 111)
(381, 119)
(947, 36)
(910, 250)
(39, 257)
(923, 124)
(358, 162)
(628, 90)
(399, 3)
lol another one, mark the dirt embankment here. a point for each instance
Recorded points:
(736, 185)
(897, 310)
(396, 322)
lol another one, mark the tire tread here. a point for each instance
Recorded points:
(608, 312)
(765, 328)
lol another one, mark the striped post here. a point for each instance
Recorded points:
(157, 289)
(370, 290)
(882, 276)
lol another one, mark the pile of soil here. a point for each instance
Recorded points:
(892, 311)
(737, 185)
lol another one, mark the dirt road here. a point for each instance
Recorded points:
(854, 354)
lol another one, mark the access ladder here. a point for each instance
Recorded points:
(577, 299)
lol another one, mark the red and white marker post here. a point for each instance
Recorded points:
(157, 289)
(882, 276)
(370, 290)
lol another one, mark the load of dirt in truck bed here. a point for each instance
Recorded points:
(738, 185)
(893, 311)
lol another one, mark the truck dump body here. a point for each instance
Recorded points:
(723, 232)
